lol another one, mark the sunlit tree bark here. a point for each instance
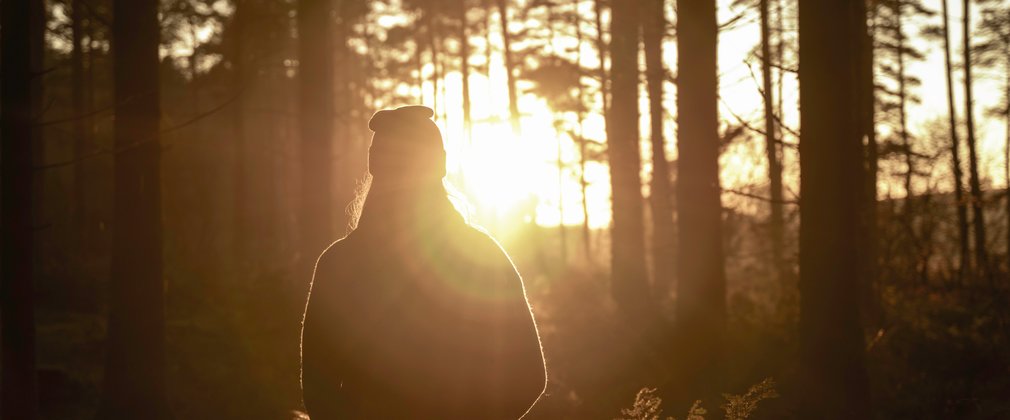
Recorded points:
(833, 375)
(135, 364)
(18, 384)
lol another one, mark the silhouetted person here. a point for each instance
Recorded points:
(416, 314)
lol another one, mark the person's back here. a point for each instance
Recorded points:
(416, 314)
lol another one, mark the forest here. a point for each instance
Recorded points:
(740, 209)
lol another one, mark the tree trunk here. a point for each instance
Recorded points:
(509, 68)
(869, 233)
(562, 234)
(350, 147)
(135, 365)
(630, 288)
(906, 146)
(601, 48)
(315, 86)
(581, 116)
(776, 220)
(701, 280)
(981, 254)
(1006, 157)
(464, 58)
(488, 12)
(80, 109)
(239, 207)
(964, 263)
(653, 29)
(832, 370)
(18, 385)
(420, 71)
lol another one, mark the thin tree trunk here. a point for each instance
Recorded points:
(80, 109)
(1006, 157)
(563, 235)
(581, 116)
(89, 122)
(37, 61)
(488, 11)
(701, 279)
(981, 254)
(780, 62)
(420, 71)
(559, 162)
(869, 233)
(832, 369)
(239, 208)
(509, 68)
(135, 365)
(346, 75)
(776, 219)
(907, 208)
(653, 29)
(464, 58)
(194, 64)
(315, 51)
(601, 48)
(18, 384)
(964, 263)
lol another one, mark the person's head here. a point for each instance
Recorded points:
(406, 150)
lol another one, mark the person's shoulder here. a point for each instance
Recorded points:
(336, 255)
(486, 249)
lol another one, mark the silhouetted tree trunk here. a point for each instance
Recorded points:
(80, 109)
(420, 70)
(833, 375)
(776, 220)
(350, 147)
(37, 21)
(601, 48)
(653, 29)
(701, 281)
(240, 211)
(488, 12)
(436, 62)
(906, 146)
(981, 254)
(581, 116)
(18, 396)
(509, 67)
(629, 285)
(562, 234)
(464, 57)
(135, 365)
(315, 87)
(869, 266)
(964, 262)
